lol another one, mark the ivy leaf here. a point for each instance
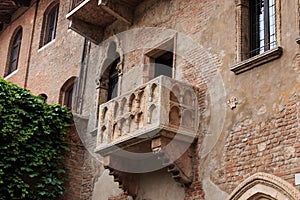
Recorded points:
(32, 141)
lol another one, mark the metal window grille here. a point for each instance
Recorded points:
(262, 26)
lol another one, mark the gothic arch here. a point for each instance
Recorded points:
(263, 186)
(110, 72)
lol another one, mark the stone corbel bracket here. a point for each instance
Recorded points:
(128, 182)
(177, 156)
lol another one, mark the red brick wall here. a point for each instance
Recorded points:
(195, 190)
(272, 146)
(26, 22)
(74, 163)
(54, 63)
(49, 68)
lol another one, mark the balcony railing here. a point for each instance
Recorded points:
(161, 105)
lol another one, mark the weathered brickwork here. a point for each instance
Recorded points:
(6, 39)
(44, 70)
(54, 63)
(119, 197)
(195, 190)
(271, 146)
(74, 164)
(259, 133)
(211, 24)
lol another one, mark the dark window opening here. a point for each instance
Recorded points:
(66, 93)
(68, 100)
(160, 60)
(44, 97)
(14, 53)
(164, 64)
(49, 26)
(262, 26)
(113, 81)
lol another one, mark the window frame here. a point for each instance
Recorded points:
(244, 61)
(15, 44)
(168, 45)
(261, 26)
(113, 80)
(50, 21)
(67, 93)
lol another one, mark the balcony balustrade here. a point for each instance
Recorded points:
(161, 105)
(147, 119)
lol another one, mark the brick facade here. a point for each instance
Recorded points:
(249, 121)
(44, 71)
(271, 146)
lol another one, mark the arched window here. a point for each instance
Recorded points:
(44, 97)
(110, 78)
(49, 24)
(69, 96)
(66, 93)
(14, 52)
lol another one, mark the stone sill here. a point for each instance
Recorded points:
(10, 75)
(257, 60)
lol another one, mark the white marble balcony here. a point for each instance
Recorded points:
(162, 107)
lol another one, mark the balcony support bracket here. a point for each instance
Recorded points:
(114, 8)
(128, 182)
(177, 156)
(92, 32)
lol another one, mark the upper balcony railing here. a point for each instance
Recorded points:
(161, 106)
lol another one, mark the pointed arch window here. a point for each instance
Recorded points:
(14, 52)
(109, 80)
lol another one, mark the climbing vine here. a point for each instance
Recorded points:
(32, 145)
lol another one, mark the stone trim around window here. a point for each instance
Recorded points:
(264, 185)
(258, 60)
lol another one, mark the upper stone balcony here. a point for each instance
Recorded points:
(160, 113)
(90, 17)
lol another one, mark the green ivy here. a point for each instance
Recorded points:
(32, 145)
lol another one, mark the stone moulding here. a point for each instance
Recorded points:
(257, 60)
(266, 185)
